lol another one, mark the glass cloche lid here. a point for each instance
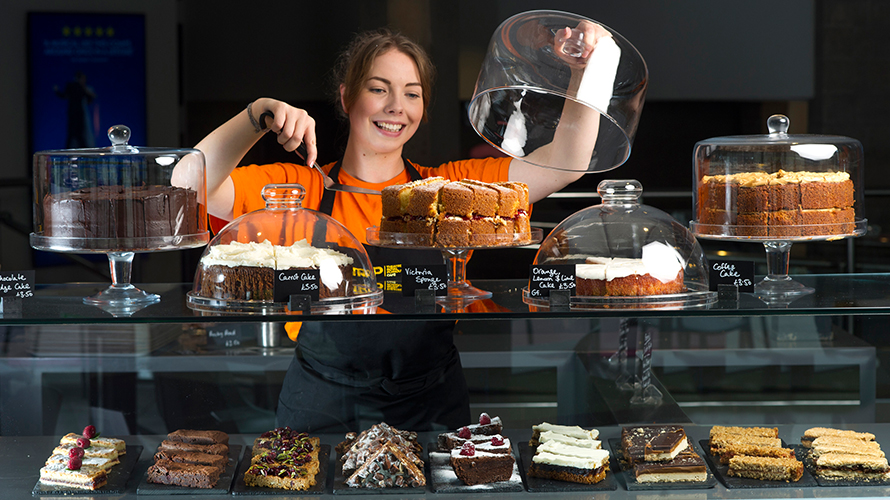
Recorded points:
(281, 258)
(553, 82)
(626, 254)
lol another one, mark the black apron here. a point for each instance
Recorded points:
(347, 376)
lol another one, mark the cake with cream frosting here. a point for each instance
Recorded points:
(246, 271)
(777, 204)
(658, 272)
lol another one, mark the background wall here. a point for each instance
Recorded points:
(717, 67)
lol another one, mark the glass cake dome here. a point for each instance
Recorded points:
(285, 258)
(778, 189)
(625, 254)
(119, 201)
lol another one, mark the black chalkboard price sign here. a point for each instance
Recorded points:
(17, 284)
(296, 282)
(543, 278)
(429, 277)
(731, 272)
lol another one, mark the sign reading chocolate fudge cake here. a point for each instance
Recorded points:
(246, 271)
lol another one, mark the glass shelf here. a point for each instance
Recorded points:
(835, 294)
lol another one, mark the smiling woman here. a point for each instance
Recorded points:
(408, 376)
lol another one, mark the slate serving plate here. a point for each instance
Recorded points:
(542, 485)
(241, 488)
(222, 486)
(444, 480)
(118, 476)
(733, 482)
(631, 483)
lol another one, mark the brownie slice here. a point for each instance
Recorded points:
(179, 446)
(193, 457)
(481, 467)
(189, 475)
(199, 437)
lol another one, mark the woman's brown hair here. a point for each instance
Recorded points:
(354, 65)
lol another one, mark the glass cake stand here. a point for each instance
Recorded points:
(777, 286)
(459, 289)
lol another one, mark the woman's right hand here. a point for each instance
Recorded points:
(292, 125)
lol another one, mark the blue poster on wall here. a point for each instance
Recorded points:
(86, 74)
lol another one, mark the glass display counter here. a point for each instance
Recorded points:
(564, 366)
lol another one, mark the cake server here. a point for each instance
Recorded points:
(329, 183)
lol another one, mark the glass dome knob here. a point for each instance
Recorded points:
(778, 124)
(284, 196)
(620, 191)
(119, 135)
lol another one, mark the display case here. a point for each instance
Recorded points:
(813, 362)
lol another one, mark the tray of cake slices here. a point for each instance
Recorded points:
(561, 458)
(264, 260)
(778, 186)
(283, 461)
(620, 254)
(438, 213)
(476, 458)
(754, 457)
(660, 457)
(380, 460)
(837, 457)
(191, 462)
(88, 464)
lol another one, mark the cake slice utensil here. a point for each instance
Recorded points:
(329, 183)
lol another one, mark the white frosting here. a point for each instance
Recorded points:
(238, 254)
(549, 436)
(567, 430)
(558, 448)
(299, 255)
(659, 260)
(567, 461)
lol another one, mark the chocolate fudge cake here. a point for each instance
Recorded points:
(121, 212)
(457, 213)
(179, 446)
(193, 457)
(658, 272)
(778, 204)
(246, 271)
(473, 466)
(199, 437)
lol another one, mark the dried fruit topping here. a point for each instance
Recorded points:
(74, 463)
(497, 441)
(468, 449)
(83, 442)
(89, 431)
(75, 452)
(484, 419)
(464, 433)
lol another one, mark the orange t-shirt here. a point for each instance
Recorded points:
(356, 211)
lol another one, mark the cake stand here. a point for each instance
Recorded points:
(459, 289)
(777, 286)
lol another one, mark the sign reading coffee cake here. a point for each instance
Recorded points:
(463, 213)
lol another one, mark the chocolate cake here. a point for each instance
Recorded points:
(199, 437)
(457, 214)
(179, 446)
(246, 271)
(121, 212)
(193, 457)
(474, 466)
(476, 433)
(189, 475)
(777, 204)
